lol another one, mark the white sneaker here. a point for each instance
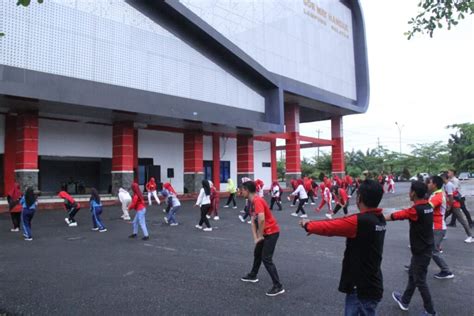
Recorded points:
(67, 221)
(174, 224)
(234, 207)
(292, 205)
(241, 218)
(198, 226)
(226, 206)
(94, 229)
(469, 240)
(328, 215)
(28, 239)
(166, 219)
(126, 218)
(349, 196)
(312, 203)
(208, 216)
(216, 218)
(249, 222)
(164, 210)
(304, 216)
(102, 230)
(73, 224)
(207, 229)
(294, 214)
(13, 230)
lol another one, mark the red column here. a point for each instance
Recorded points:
(244, 157)
(135, 155)
(274, 163)
(338, 166)
(26, 150)
(10, 153)
(122, 155)
(216, 161)
(193, 161)
(293, 156)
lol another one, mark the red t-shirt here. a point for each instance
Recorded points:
(260, 206)
(343, 197)
(438, 202)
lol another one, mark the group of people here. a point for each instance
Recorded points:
(361, 277)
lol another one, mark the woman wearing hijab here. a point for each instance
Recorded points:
(232, 190)
(214, 210)
(300, 192)
(14, 206)
(151, 189)
(276, 192)
(173, 205)
(138, 204)
(71, 207)
(28, 202)
(125, 200)
(96, 210)
(204, 202)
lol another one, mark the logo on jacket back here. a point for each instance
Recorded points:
(379, 228)
(428, 211)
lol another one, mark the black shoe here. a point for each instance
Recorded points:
(275, 290)
(451, 225)
(249, 278)
(443, 275)
(133, 236)
(146, 238)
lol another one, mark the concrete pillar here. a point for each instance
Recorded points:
(122, 155)
(216, 161)
(26, 149)
(244, 158)
(293, 155)
(338, 166)
(274, 163)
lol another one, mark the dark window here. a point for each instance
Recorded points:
(225, 171)
(208, 170)
(266, 164)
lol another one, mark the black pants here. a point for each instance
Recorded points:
(311, 196)
(231, 199)
(264, 252)
(301, 206)
(338, 207)
(72, 213)
(16, 218)
(277, 201)
(204, 210)
(247, 209)
(417, 279)
(465, 211)
(294, 200)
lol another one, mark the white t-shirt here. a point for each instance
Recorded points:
(300, 192)
(203, 199)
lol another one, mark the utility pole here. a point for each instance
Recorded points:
(400, 127)
(319, 133)
(378, 142)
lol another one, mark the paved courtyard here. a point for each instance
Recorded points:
(180, 270)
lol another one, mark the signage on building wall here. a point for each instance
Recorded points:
(325, 18)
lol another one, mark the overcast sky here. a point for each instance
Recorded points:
(424, 84)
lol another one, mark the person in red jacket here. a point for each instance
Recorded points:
(342, 200)
(361, 277)
(294, 185)
(71, 206)
(14, 206)
(151, 189)
(420, 216)
(309, 189)
(214, 210)
(138, 204)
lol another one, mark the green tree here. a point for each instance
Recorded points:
(461, 146)
(438, 13)
(430, 158)
(281, 169)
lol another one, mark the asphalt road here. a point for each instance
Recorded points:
(180, 270)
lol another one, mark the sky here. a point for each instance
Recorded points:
(424, 84)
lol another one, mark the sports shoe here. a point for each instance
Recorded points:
(328, 215)
(294, 214)
(249, 222)
(28, 238)
(146, 238)
(166, 219)
(207, 229)
(67, 220)
(73, 224)
(451, 225)
(425, 313)
(133, 236)
(469, 240)
(249, 278)
(13, 230)
(406, 267)
(397, 297)
(216, 218)
(103, 230)
(241, 218)
(234, 207)
(208, 216)
(304, 216)
(292, 205)
(275, 290)
(312, 203)
(94, 229)
(174, 224)
(443, 275)
(198, 226)
(126, 218)
(226, 206)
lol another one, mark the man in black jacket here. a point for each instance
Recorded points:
(420, 216)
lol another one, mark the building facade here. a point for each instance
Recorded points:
(102, 93)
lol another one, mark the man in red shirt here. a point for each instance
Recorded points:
(265, 231)
(342, 200)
